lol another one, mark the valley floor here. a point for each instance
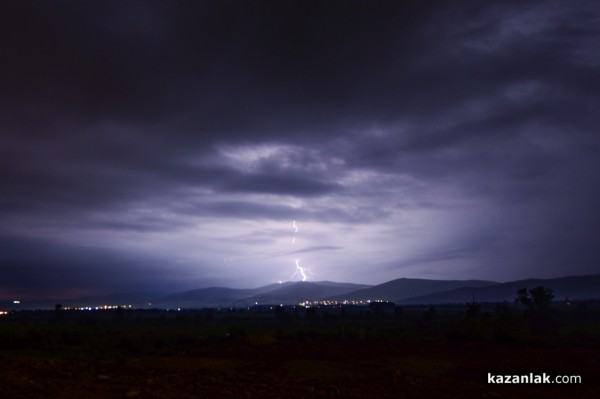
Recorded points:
(267, 368)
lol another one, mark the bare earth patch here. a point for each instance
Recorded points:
(307, 370)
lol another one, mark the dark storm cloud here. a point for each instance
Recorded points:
(147, 61)
(37, 269)
(274, 184)
(316, 249)
(240, 210)
(216, 68)
(69, 180)
(150, 117)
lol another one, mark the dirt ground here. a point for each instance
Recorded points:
(359, 369)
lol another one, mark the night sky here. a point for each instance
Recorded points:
(163, 146)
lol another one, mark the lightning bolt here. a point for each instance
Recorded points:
(295, 231)
(300, 271)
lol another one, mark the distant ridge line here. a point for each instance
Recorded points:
(401, 291)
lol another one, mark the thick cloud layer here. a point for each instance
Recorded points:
(171, 145)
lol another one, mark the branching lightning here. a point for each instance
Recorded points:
(300, 271)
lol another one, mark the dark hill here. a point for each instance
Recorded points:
(300, 291)
(285, 293)
(404, 288)
(573, 287)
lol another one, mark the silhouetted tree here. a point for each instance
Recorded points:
(538, 313)
(523, 297)
(541, 297)
(538, 298)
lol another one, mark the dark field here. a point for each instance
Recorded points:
(290, 353)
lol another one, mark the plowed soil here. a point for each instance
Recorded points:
(348, 369)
